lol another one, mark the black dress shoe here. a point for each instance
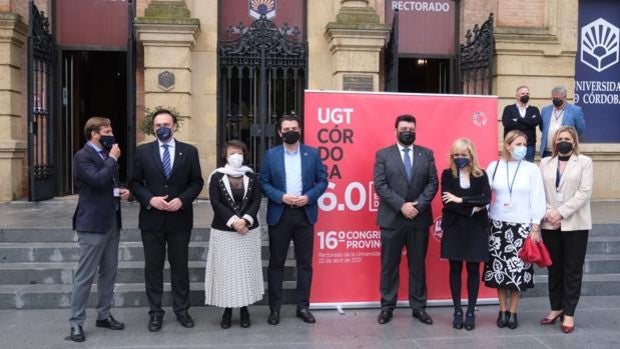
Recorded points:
(244, 317)
(384, 317)
(306, 315)
(457, 321)
(155, 322)
(513, 322)
(77, 334)
(422, 316)
(502, 319)
(185, 320)
(110, 323)
(274, 317)
(226, 318)
(470, 321)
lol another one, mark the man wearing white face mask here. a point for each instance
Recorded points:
(515, 214)
(234, 277)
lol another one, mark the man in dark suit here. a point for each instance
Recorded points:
(406, 181)
(166, 179)
(292, 177)
(97, 221)
(523, 117)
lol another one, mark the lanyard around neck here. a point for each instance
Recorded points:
(511, 184)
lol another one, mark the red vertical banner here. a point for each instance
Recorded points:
(348, 128)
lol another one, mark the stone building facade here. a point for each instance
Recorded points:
(535, 45)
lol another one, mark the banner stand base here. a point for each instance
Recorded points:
(339, 307)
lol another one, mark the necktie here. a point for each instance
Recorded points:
(407, 162)
(103, 154)
(166, 160)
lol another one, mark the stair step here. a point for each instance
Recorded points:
(20, 252)
(603, 245)
(128, 272)
(592, 285)
(125, 295)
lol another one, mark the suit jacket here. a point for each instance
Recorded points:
(273, 181)
(394, 189)
(225, 209)
(95, 183)
(573, 116)
(575, 186)
(460, 217)
(148, 180)
(512, 120)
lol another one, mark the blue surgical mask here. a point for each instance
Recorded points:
(164, 133)
(461, 162)
(107, 141)
(518, 152)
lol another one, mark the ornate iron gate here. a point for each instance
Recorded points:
(262, 71)
(476, 60)
(391, 57)
(41, 53)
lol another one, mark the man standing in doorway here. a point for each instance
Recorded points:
(406, 181)
(166, 179)
(97, 221)
(523, 117)
(559, 113)
(293, 178)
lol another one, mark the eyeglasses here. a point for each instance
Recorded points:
(455, 156)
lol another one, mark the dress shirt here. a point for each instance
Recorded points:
(292, 169)
(171, 147)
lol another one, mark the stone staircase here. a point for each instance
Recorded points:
(601, 268)
(37, 267)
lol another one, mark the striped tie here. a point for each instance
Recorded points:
(166, 160)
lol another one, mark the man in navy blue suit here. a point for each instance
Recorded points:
(97, 221)
(293, 178)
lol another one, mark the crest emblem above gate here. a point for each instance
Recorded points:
(258, 8)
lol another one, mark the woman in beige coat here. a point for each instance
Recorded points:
(567, 177)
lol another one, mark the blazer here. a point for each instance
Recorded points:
(573, 116)
(512, 120)
(148, 180)
(576, 188)
(225, 209)
(460, 217)
(273, 181)
(95, 184)
(394, 189)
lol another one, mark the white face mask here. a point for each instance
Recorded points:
(235, 160)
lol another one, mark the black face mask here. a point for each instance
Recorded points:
(557, 102)
(406, 137)
(107, 141)
(291, 137)
(564, 147)
(164, 133)
(524, 99)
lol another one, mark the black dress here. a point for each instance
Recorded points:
(465, 235)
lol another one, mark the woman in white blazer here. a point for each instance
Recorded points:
(567, 177)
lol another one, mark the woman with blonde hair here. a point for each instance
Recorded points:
(567, 177)
(515, 214)
(465, 224)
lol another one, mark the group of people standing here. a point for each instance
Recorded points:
(166, 179)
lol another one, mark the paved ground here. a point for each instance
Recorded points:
(597, 324)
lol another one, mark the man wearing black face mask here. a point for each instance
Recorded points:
(559, 113)
(97, 221)
(523, 117)
(166, 179)
(406, 181)
(292, 177)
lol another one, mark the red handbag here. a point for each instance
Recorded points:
(537, 253)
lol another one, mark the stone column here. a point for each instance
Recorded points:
(168, 34)
(13, 158)
(355, 41)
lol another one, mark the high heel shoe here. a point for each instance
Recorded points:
(548, 321)
(458, 320)
(568, 329)
(470, 321)
(513, 322)
(502, 319)
(245, 317)
(226, 318)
